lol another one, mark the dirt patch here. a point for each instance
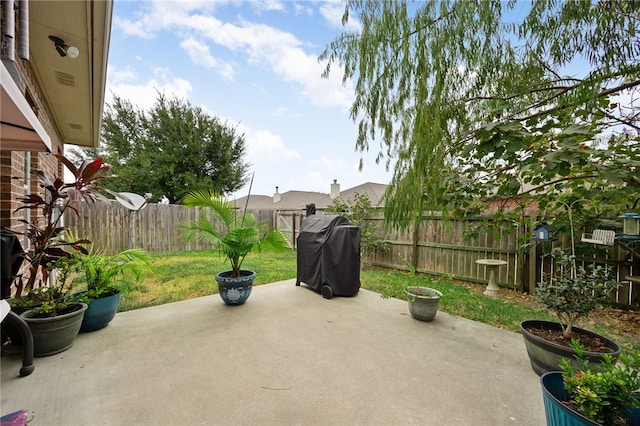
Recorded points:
(591, 344)
(623, 322)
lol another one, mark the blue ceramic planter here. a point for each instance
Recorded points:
(100, 312)
(558, 414)
(235, 291)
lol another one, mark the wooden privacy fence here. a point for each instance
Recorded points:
(435, 247)
(113, 228)
(289, 222)
(438, 247)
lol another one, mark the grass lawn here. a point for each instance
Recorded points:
(185, 275)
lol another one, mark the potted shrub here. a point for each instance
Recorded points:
(571, 293)
(423, 302)
(235, 235)
(106, 277)
(607, 394)
(55, 317)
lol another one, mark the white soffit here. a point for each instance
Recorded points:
(21, 130)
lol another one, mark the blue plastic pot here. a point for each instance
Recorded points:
(558, 414)
(100, 312)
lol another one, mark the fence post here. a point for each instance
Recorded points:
(293, 231)
(533, 260)
(414, 243)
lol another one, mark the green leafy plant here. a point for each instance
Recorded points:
(48, 250)
(56, 299)
(106, 275)
(573, 292)
(359, 211)
(233, 233)
(607, 393)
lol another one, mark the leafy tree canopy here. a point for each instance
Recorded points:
(170, 150)
(481, 101)
(359, 211)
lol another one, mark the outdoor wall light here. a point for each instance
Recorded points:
(62, 48)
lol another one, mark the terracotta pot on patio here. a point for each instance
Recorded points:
(545, 356)
(235, 290)
(423, 302)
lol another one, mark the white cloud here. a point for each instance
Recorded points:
(145, 93)
(317, 182)
(133, 28)
(302, 9)
(199, 54)
(268, 5)
(119, 75)
(333, 11)
(264, 146)
(263, 45)
(330, 164)
(279, 112)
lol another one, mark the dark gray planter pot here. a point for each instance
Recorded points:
(546, 356)
(235, 290)
(423, 302)
(52, 335)
(100, 312)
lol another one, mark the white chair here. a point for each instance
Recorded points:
(603, 237)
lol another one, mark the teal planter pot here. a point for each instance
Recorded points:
(235, 291)
(100, 313)
(558, 414)
(52, 335)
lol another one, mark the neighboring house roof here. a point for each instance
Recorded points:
(74, 88)
(290, 200)
(298, 200)
(255, 203)
(374, 191)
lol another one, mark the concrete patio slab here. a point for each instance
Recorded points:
(286, 357)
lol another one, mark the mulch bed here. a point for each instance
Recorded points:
(591, 343)
(623, 321)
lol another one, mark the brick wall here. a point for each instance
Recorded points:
(12, 163)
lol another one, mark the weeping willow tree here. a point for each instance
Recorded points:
(479, 103)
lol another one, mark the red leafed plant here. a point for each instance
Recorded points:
(47, 247)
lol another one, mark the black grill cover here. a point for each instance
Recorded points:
(329, 254)
(11, 260)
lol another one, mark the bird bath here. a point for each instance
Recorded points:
(492, 266)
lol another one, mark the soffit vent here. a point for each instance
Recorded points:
(75, 126)
(65, 79)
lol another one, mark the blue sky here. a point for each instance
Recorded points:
(253, 63)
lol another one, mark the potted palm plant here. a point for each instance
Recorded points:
(571, 294)
(106, 277)
(55, 316)
(235, 234)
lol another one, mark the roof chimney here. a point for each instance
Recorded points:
(276, 196)
(335, 189)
